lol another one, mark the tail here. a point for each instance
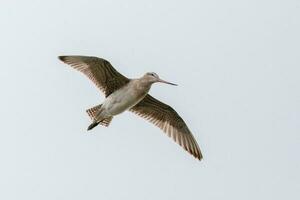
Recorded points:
(92, 112)
(104, 122)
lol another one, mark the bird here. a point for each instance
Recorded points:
(122, 94)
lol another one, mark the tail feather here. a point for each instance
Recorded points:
(92, 112)
(106, 122)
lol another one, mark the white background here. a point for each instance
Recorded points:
(236, 62)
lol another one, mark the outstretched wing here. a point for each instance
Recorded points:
(167, 119)
(100, 71)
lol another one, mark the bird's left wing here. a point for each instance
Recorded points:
(100, 71)
(167, 119)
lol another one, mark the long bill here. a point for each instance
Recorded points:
(163, 81)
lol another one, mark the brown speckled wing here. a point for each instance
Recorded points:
(167, 119)
(100, 71)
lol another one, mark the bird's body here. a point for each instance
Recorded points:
(124, 94)
(123, 99)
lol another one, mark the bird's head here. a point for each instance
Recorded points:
(152, 77)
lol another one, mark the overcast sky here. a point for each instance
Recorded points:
(236, 62)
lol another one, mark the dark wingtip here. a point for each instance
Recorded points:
(62, 58)
(198, 155)
(200, 158)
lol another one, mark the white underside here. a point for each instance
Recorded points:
(122, 100)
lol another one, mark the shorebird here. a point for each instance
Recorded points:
(124, 94)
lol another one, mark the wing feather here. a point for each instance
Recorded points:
(98, 70)
(167, 119)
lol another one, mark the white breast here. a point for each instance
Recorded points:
(124, 98)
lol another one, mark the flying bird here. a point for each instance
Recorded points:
(124, 94)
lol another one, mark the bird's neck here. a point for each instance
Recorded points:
(143, 84)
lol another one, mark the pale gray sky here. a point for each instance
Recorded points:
(236, 62)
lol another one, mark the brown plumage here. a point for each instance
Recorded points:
(98, 70)
(109, 80)
(167, 119)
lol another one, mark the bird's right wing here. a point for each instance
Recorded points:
(167, 119)
(100, 71)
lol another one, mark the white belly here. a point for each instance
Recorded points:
(122, 100)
